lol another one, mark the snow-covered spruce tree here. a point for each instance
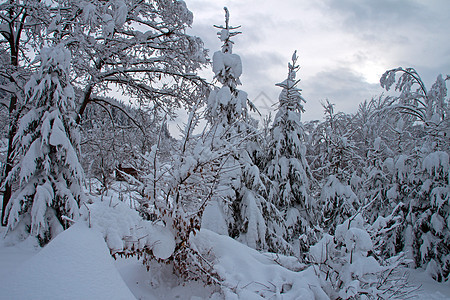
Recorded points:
(245, 210)
(46, 144)
(337, 203)
(287, 167)
(21, 28)
(423, 172)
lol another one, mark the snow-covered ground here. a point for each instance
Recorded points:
(429, 288)
(77, 265)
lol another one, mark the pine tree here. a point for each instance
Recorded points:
(287, 167)
(21, 25)
(46, 145)
(227, 106)
(241, 186)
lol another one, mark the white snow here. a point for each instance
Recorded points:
(429, 289)
(436, 161)
(214, 219)
(161, 241)
(75, 265)
(58, 136)
(249, 274)
(120, 15)
(42, 199)
(222, 61)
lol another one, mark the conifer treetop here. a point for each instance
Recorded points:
(226, 33)
(291, 97)
(227, 66)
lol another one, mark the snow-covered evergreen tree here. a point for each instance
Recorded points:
(244, 208)
(227, 106)
(21, 27)
(338, 202)
(46, 145)
(422, 171)
(287, 167)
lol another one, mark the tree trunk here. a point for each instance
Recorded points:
(9, 156)
(13, 116)
(86, 100)
(13, 119)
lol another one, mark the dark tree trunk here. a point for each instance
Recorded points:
(86, 100)
(9, 156)
(13, 114)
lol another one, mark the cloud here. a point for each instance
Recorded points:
(341, 86)
(364, 14)
(344, 45)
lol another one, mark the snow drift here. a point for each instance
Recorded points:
(75, 265)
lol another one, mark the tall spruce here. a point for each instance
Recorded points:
(46, 145)
(21, 28)
(287, 167)
(240, 194)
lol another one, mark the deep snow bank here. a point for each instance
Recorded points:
(75, 265)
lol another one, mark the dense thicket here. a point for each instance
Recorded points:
(140, 49)
(366, 189)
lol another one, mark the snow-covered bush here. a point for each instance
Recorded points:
(46, 145)
(348, 269)
(332, 149)
(176, 200)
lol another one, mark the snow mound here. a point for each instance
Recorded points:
(248, 274)
(75, 265)
(114, 219)
(161, 241)
(123, 229)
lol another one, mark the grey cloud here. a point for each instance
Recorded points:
(341, 86)
(391, 21)
(380, 12)
(347, 36)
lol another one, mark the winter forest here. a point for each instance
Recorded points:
(100, 201)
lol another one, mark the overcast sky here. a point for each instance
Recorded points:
(344, 46)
